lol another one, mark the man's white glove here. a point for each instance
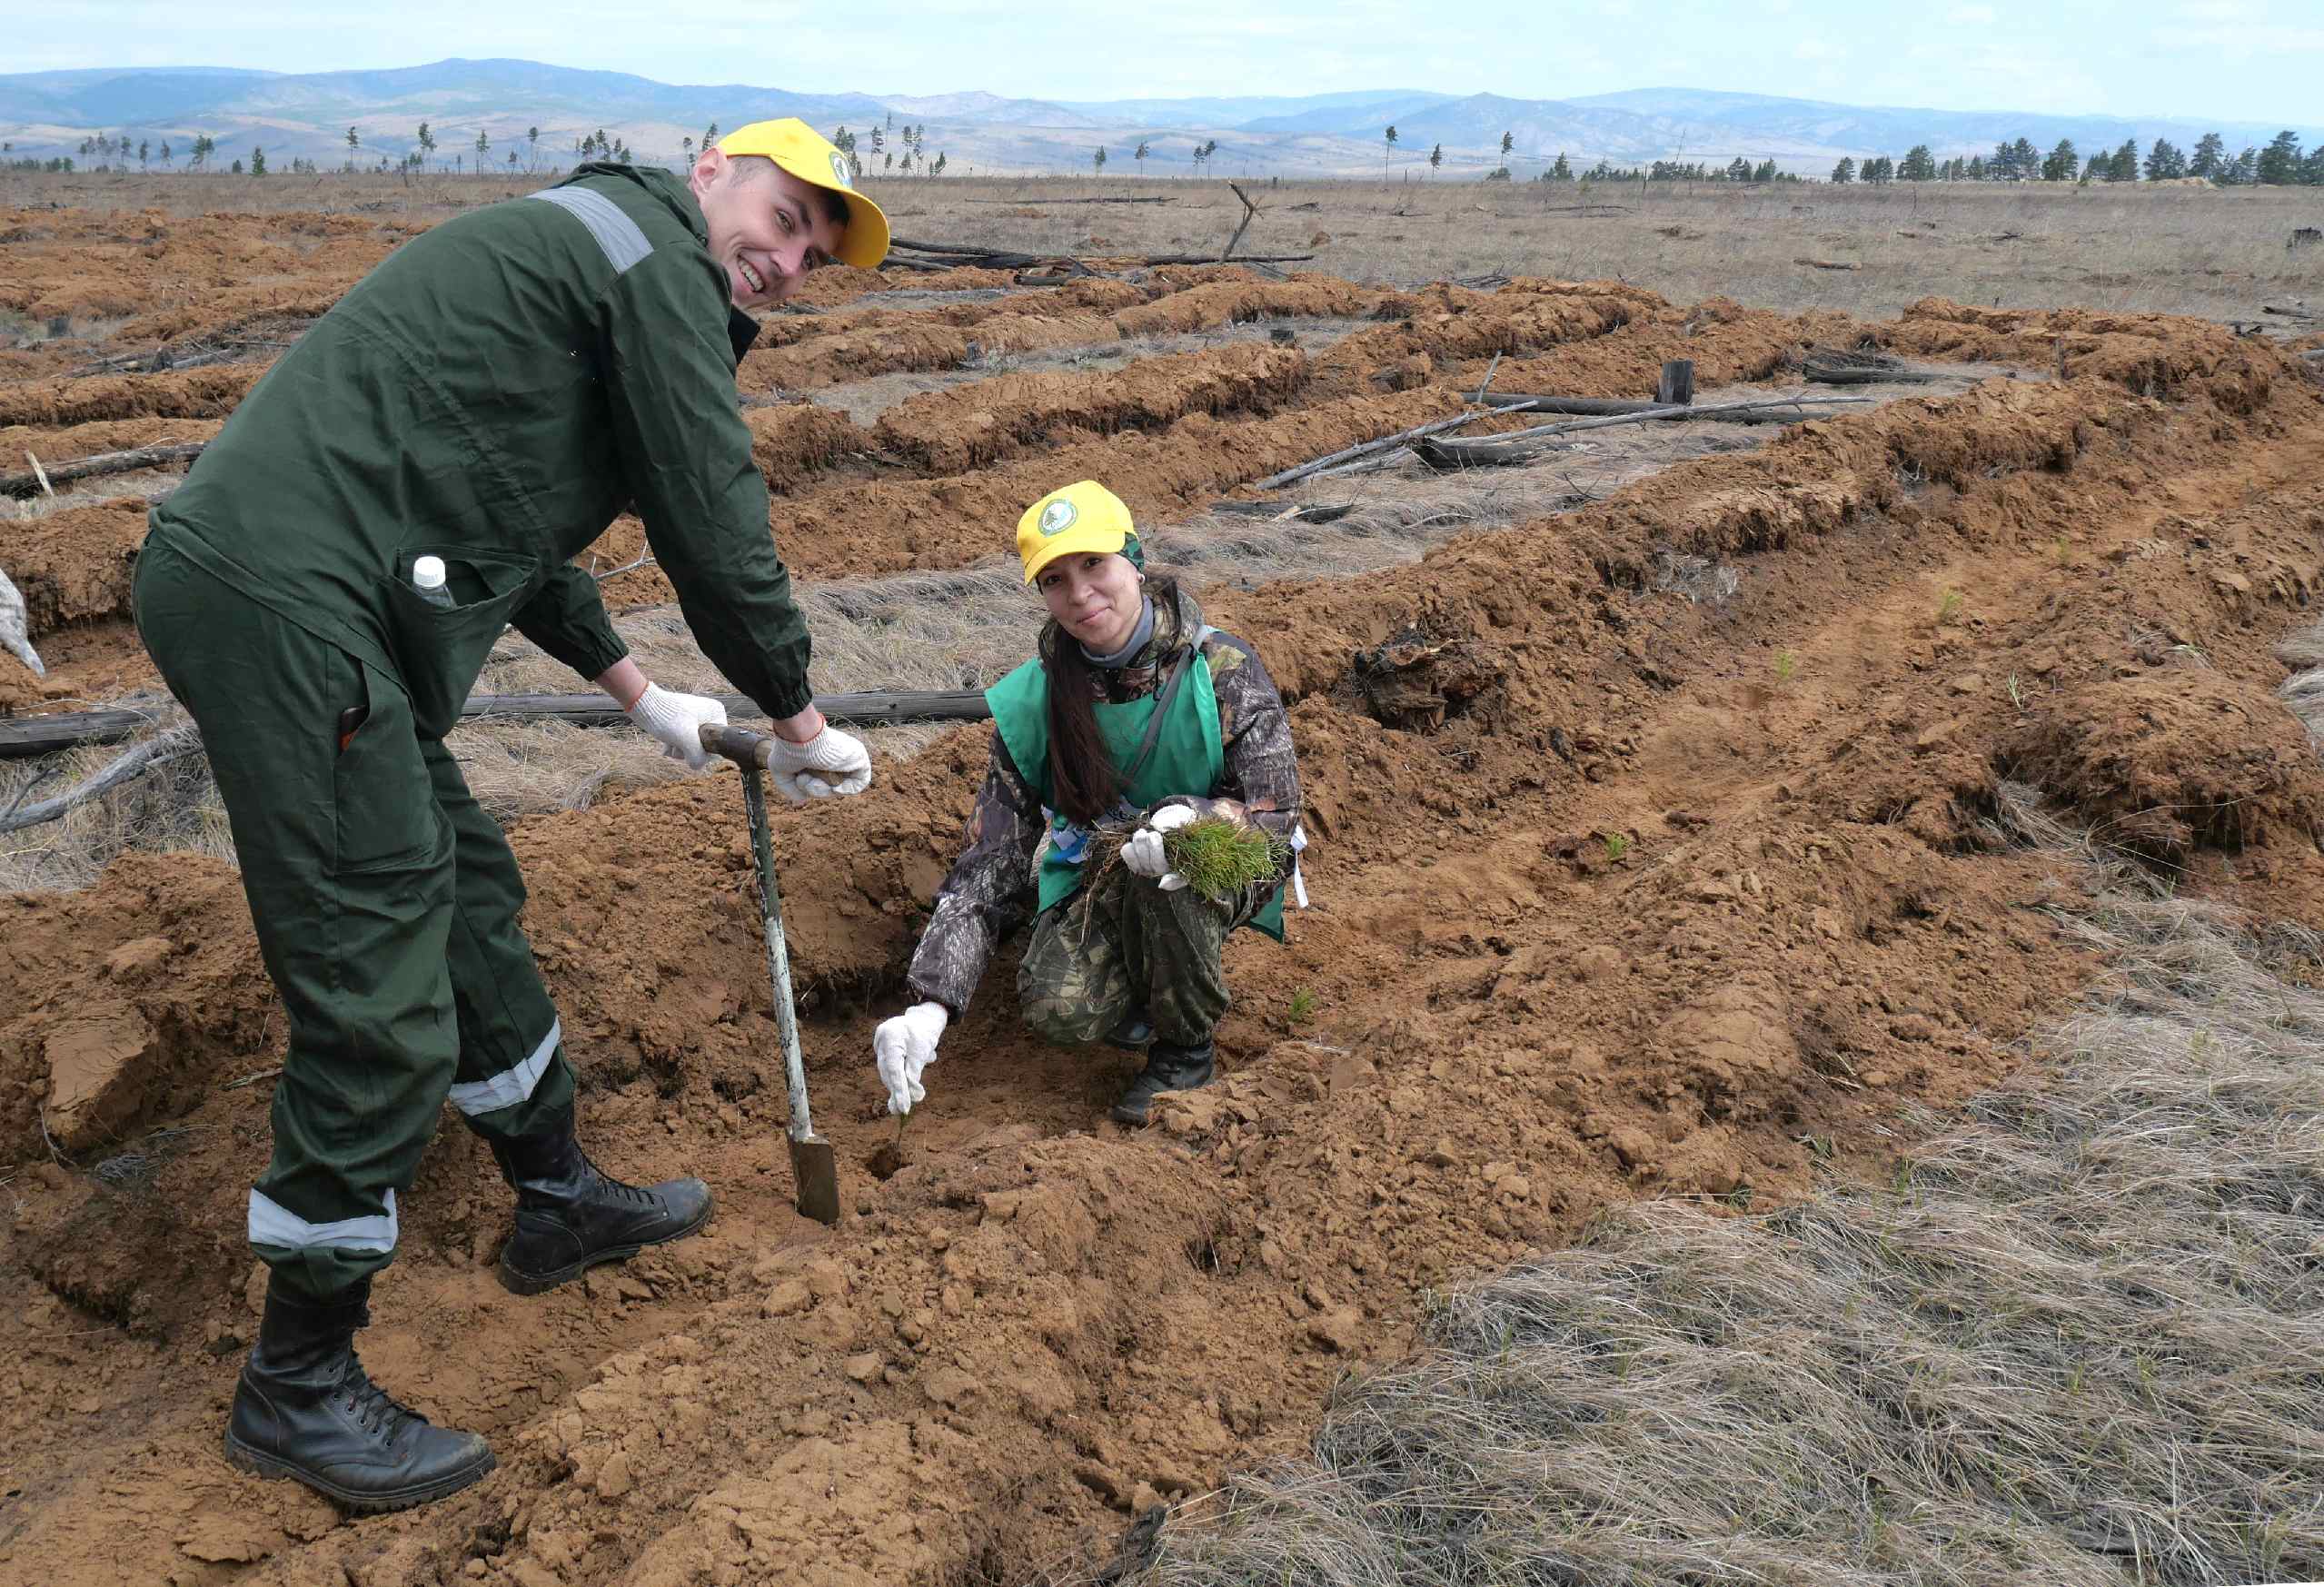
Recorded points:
(838, 762)
(904, 1046)
(1143, 853)
(677, 720)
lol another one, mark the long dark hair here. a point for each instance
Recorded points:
(1085, 785)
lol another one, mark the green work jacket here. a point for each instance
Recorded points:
(1189, 757)
(493, 394)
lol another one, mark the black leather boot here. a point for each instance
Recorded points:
(307, 1408)
(570, 1216)
(1167, 1068)
(1135, 1034)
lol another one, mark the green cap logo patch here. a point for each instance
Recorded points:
(1057, 517)
(839, 168)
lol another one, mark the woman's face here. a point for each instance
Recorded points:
(1095, 597)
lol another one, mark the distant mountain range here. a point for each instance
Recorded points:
(307, 115)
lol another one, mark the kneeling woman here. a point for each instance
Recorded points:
(1135, 712)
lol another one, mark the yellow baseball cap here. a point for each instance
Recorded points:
(814, 159)
(1083, 518)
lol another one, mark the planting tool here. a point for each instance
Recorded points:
(813, 1168)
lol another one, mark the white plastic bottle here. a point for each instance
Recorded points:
(428, 579)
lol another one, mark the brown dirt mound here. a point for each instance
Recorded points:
(73, 565)
(2162, 761)
(792, 442)
(969, 426)
(851, 355)
(186, 393)
(1727, 342)
(1199, 308)
(1094, 295)
(53, 445)
(2153, 354)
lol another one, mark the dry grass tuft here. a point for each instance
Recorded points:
(2077, 1341)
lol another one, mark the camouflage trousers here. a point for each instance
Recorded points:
(1123, 947)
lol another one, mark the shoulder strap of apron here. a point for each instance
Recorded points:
(1162, 699)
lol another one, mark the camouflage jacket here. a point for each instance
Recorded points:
(990, 891)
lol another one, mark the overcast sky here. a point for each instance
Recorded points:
(2234, 59)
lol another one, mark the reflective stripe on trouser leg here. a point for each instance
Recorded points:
(512, 1076)
(511, 1086)
(272, 1224)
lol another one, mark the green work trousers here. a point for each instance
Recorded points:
(386, 903)
(1123, 947)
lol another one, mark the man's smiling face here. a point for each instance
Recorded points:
(768, 228)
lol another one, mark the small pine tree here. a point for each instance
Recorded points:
(1920, 164)
(2164, 162)
(2210, 157)
(166, 152)
(1435, 159)
(1508, 142)
(257, 162)
(1385, 153)
(2246, 167)
(1097, 161)
(2279, 163)
(1140, 156)
(938, 169)
(2125, 165)
(2311, 167)
(2064, 160)
(532, 147)
(1561, 172)
(710, 135)
(1844, 172)
(144, 147)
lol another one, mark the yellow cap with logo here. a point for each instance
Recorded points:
(813, 158)
(1083, 518)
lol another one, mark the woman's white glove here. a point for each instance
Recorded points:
(905, 1046)
(676, 719)
(838, 763)
(1143, 853)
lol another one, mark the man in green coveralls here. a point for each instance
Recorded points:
(406, 483)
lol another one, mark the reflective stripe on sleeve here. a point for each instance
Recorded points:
(616, 232)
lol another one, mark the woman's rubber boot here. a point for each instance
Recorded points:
(305, 1409)
(1167, 1068)
(570, 1216)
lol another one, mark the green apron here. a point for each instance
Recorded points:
(1189, 757)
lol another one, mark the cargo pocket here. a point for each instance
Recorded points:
(440, 650)
(384, 816)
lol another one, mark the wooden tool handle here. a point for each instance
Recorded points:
(740, 745)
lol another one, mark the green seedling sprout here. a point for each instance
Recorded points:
(1617, 846)
(1303, 1007)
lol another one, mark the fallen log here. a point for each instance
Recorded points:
(1779, 410)
(1275, 512)
(31, 484)
(2290, 314)
(1826, 264)
(159, 751)
(1365, 448)
(27, 736)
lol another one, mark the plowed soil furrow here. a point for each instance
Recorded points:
(210, 392)
(56, 444)
(1654, 911)
(950, 432)
(850, 355)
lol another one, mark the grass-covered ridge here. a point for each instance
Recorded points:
(2081, 1339)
